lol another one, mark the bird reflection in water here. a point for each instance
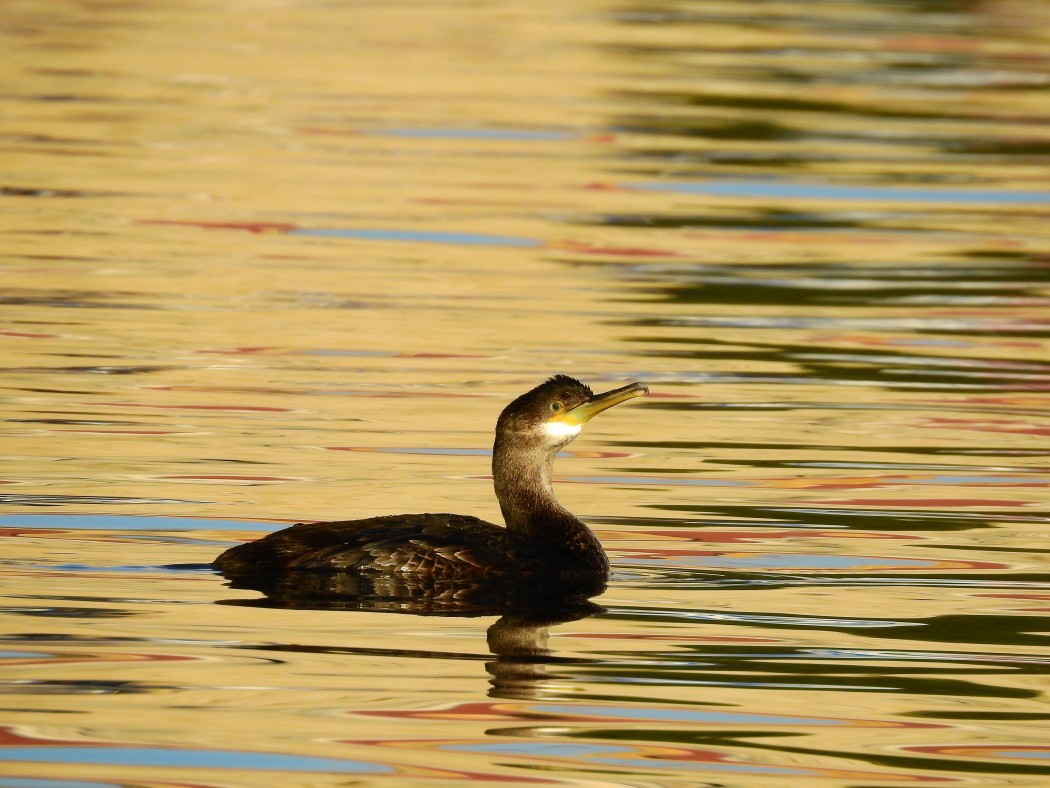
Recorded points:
(418, 595)
(517, 639)
(519, 643)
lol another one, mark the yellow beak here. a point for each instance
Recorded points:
(583, 413)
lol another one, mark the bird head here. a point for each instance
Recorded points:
(553, 413)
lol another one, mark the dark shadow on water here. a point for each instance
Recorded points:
(518, 639)
(420, 595)
(519, 643)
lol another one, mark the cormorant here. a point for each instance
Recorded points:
(542, 543)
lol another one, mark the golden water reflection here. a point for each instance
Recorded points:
(266, 263)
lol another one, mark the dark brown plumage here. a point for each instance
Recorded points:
(542, 538)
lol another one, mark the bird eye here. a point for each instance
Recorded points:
(555, 407)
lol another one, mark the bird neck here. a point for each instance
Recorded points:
(522, 480)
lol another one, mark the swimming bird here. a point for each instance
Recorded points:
(542, 542)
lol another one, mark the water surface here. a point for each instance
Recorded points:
(267, 263)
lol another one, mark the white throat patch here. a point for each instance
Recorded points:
(559, 429)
